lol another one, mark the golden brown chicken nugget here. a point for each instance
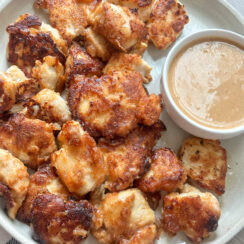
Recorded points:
(43, 181)
(113, 105)
(126, 61)
(193, 212)
(205, 162)
(49, 73)
(49, 106)
(14, 181)
(124, 217)
(30, 140)
(165, 174)
(79, 62)
(79, 163)
(118, 25)
(166, 22)
(31, 40)
(56, 221)
(65, 15)
(127, 159)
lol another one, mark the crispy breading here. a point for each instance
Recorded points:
(49, 106)
(14, 181)
(113, 105)
(79, 62)
(43, 181)
(79, 163)
(166, 22)
(142, 8)
(193, 212)
(128, 158)
(49, 73)
(96, 45)
(30, 140)
(31, 40)
(15, 87)
(165, 174)
(65, 15)
(124, 61)
(56, 221)
(118, 25)
(205, 162)
(124, 217)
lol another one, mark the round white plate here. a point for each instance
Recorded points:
(203, 14)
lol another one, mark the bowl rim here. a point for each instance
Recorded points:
(173, 53)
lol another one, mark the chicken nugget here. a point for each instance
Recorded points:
(193, 212)
(14, 181)
(205, 162)
(166, 22)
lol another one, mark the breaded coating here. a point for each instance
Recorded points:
(79, 62)
(124, 217)
(14, 181)
(96, 45)
(129, 158)
(31, 40)
(166, 22)
(142, 8)
(66, 16)
(113, 105)
(56, 221)
(165, 174)
(43, 181)
(49, 73)
(193, 212)
(49, 106)
(205, 162)
(118, 25)
(125, 61)
(79, 163)
(15, 87)
(30, 140)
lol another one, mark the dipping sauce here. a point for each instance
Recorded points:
(206, 81)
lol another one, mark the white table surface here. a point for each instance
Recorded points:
(238, 239)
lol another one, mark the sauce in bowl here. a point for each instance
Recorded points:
(206, 81)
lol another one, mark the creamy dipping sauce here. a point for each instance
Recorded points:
(206, 81)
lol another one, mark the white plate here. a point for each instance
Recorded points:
(203, 14)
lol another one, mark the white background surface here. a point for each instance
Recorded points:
(239, 239)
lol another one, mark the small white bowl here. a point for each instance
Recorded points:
(173, 110)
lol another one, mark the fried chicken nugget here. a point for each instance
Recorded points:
(43, 181)
(124, 217)
(142, 8)
(205, 162)
(193, 212)
(166, 22)
(96, 45)
(133, 62)
(56, 221)
(113, 105)
(30, 140)
(49, 73)
(128, 158)
(15, 87)
(118, 25)
(79, 163)
(165, 174)
(31, 40)
(14, 181)
(49, 106)
(79, 62)
(66, 16)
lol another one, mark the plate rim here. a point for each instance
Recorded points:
(236, 228)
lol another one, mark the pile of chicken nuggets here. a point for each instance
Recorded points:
(74, 108)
